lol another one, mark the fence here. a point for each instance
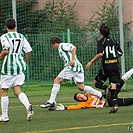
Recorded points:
(38, 27)
(45, 63)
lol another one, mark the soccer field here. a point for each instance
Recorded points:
(75, 121)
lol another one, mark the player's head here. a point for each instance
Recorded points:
(10, 23)
(79, 97)
(55, 42)
(104, 30)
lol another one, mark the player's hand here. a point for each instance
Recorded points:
(71, 63)
(60, 107)
(88, 64)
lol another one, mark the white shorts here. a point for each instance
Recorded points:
(68, 74)
(8, 81)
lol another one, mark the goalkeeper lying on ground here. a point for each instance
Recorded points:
(91, 101)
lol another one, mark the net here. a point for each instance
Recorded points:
(38, 21)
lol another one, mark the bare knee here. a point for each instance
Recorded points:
(4, 92)
(80, 86)
(58, 80)
(17, 90)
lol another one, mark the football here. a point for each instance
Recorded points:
(52, 108)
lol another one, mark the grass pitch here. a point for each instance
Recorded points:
(96, 120)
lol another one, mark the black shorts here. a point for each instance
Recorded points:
(113, 77)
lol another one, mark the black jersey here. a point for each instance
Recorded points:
(110, 49)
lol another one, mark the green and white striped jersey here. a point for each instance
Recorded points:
(65, 52)
(17, 45)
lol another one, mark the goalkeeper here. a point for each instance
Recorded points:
(91, 101)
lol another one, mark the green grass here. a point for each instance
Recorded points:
(75, 121)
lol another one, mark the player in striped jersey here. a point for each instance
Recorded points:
(14, 45)
(73, 69)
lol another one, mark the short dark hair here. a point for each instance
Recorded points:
(55, 39)
(104, 30)
(75, 96)
(10, 23)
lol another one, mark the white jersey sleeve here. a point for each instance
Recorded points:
(26, 47)
(4, 43)
(68, 46)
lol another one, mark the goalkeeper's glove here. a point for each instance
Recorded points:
(60, 107)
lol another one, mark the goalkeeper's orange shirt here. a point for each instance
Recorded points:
(92, 102)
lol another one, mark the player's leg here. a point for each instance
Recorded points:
(128, 74)
(18, 82)
(56, 87)
(79, 80)
(100, 79)
(89, 89)
(6, 82)
(4, 105)
(114, 80)
(125, 101)
(64, 75)
(100, 84)
(122, 102)
(114, 98)
(124, 78)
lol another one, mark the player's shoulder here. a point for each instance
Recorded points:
(63, 45)
(100, 41)
(20, 35)
(3, 35)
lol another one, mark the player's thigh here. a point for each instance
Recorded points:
(67, 74)
(19, 80)
(7, 81)
(100, 76)
(79, 78)
(59, 80)
(115, 78)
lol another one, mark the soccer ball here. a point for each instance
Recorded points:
(53, 108)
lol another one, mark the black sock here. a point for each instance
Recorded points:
(119, 86)
(124, 101)
(114, 97)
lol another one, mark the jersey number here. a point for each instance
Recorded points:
(110, 50)
(17, 42)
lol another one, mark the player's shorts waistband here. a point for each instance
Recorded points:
(111, 61)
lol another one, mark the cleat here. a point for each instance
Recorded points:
(6, 119)
(114, 109)
(30, 113)
(47, 105)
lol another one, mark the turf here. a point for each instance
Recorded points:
(75, 121)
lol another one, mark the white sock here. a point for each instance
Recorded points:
(55, 90)
(4, 106)
(24, 99)
(128, 74)
(90, 90)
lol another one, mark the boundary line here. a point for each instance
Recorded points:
(76, 128)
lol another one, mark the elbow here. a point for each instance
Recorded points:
(100, 55)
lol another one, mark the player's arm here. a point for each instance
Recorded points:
(27, 58)
(3, 54)
(98, 56)
(119, 50)
(75, 107)
(73, 56)
(5, 47)
(72, 107)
